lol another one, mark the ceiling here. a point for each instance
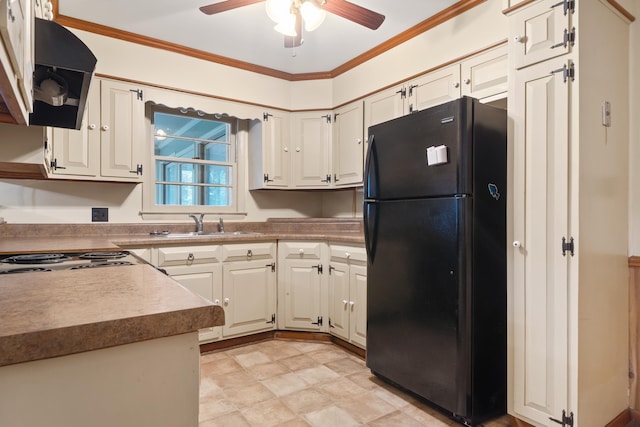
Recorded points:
(246, 34)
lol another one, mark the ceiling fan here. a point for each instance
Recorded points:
(293, 13)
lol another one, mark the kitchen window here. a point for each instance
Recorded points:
(193, 160)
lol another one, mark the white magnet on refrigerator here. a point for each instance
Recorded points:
(441, 154)
(432, 157)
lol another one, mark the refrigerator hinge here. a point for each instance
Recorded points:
(567, 246)
(319, 267)
(566, 421)
(319, 322)
(273, 319)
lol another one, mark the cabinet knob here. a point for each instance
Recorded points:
(351, 304)
(359, 140)
(216, 301)
(190, 257)
(456, 84)
(297, 149)
(92, 126)
(345, 302)
(249, 253)
(301, 251)
(226, 301)
(105, 127)
(467, 81)
(286, 149)
(519, 39)
(516, 244)
(347, 254)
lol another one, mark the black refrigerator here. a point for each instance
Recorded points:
(435, 232)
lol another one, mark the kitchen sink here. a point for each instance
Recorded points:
(213, 233)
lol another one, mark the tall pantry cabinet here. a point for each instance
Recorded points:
(568, 284)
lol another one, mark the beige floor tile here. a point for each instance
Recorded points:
(327, 354)
(395, 419)
(366, 407)
(214, 407)
(233, 419)
(218, 367)
(346, 366)
(316, 375)
(280, 350)
(249, 395)
(247, 360)
(305, 401)
(331, 416)
(296, 363)
(341, 388)
(233, 379)
(268, 370)
(269, 413)
(285, 384)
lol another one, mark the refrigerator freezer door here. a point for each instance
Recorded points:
(398, 161)
(417, 298)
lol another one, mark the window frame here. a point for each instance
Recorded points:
(149, 184)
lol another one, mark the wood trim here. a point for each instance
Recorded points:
(624, 12)
(437, 19)
(14, 170)
(620, 421)
(634, 261)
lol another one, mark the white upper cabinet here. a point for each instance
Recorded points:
(269, 153)
(384, 106)
(348, 144)
(540, 31)
(16, 60)
(485, 75)
(436, 87)
(311, 144)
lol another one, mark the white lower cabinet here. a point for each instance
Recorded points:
(348, 293)
(302, 289)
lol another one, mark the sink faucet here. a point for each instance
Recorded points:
(221, 225)
(199, 222)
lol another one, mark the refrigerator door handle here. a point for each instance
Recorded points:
(370, 178)
(370, 225)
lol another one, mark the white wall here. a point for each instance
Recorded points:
(23, 201)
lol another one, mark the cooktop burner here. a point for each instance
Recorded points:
(65, 261)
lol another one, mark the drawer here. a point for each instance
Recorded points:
(186, 255)
(249, 251)
(300, 249)
(347, 253)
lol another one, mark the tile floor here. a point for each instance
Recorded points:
(299, 383)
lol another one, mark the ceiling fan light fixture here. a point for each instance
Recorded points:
(312, 15)
(287, 26)
(278, 10)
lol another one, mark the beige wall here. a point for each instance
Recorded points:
(70, 202)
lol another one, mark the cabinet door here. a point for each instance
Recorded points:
(248, 297)
(302, 283)
(122, 131)
(77, 152)
(384, 106)
(276, 156)
(485, 74)
(358, 304)
(539, 286)
(348, 149)
(339, 307)
(537, 31)
(311, 149)
(206, 281)
(434, 88)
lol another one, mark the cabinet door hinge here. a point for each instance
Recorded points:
(54, 165)
(411, 87)
(137, 170)
(319, 267)
(327, 179)
(273, 320)
(335, 116)
(569, 37)
(266, 178)
(566, 421)
(567, 5)
(567, 72)
(265, 116)
(403, 93)
(138, 93)
(331, 268)
(327, 117)
(330, 323)
(273, 267)
(567, 246)
(319, 322)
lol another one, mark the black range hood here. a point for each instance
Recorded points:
(64, 66)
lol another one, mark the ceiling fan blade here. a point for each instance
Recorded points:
(295, 41)
(226, 5)
(355, 13)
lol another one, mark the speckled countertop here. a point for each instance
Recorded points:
(65, 312)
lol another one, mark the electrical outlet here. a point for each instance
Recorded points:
(99, 214)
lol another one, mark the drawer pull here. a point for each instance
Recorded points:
(249, 253)
(301, 251)
(190, 257)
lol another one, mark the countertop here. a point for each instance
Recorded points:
(63, 312)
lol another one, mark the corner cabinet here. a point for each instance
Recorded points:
(348, 144)
(302, 288)
(109, 146)
(348, 293)
(568, 278)
(269, 153)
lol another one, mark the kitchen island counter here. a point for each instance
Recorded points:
(50, 314)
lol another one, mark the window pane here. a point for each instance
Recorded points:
(192, 195)
(219, 175)
(191, 127)
(189, 149)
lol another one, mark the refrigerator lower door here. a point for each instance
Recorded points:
(417, 333)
